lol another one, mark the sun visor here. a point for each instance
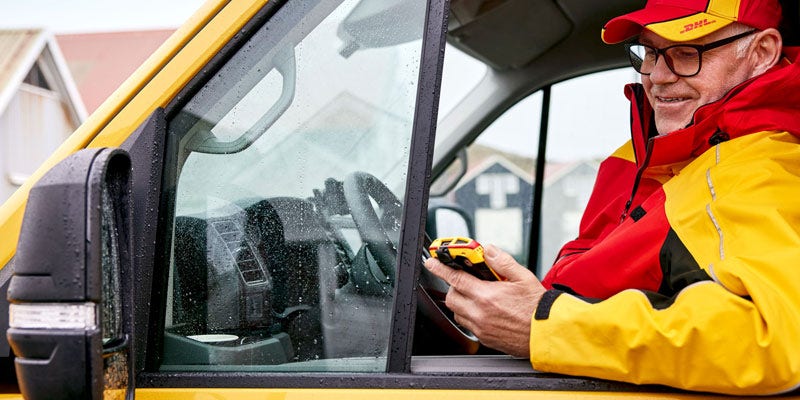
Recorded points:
(506, 34)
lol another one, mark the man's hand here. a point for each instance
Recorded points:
(498, 313)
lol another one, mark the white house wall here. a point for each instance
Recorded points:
(33, 125)
(33, 121)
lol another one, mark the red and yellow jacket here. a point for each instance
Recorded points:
(686, 271)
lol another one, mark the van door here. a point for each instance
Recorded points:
(293, 194)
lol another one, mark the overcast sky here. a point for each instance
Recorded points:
(69, 16)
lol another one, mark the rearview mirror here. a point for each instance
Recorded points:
(450, 177)
(70, 294)
(358, 30)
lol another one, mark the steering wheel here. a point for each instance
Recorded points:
(359, 187)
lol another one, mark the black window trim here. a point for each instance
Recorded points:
(415, 205)
(535, 228)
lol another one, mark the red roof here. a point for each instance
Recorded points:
(100, 62)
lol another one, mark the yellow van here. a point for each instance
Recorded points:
(244, 218)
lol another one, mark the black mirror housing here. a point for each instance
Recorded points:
(446, 219)
(56, 293)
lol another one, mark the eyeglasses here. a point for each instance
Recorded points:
(684, 60)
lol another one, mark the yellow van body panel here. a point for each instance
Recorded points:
(152, 85)
(391, 394)
(386, 394)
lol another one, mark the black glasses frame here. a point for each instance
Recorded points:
(636, 61)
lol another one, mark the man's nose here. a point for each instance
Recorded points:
(662, 73)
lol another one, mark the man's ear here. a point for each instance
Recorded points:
(765, 50)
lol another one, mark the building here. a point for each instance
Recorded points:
(100, 62)
(567, 187)
(496, 194)
(48, 85)
(39, 104)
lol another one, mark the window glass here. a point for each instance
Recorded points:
(115, 350)
(290, 166)
(111, 296)
(589, 119)
(460, 74)
(496, 191)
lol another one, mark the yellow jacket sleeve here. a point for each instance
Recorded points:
(738, 333)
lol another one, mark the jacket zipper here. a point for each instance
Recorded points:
(639, 173)
(579, 250)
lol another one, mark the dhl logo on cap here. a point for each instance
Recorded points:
(684, 20)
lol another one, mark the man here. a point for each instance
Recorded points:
(685, 272)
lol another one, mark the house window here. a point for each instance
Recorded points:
(36, 78)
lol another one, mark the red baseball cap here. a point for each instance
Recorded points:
(684, 20)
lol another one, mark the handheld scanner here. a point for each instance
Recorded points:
(465, 254)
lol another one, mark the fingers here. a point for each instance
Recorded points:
(458, 280)
(498, 313)
(460, 305)
(505, 265)
(500, 261)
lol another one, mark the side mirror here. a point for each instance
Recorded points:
(70, 295)
(448, 220)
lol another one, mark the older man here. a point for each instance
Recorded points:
(685, 272)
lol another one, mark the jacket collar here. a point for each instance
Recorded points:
(767, 102)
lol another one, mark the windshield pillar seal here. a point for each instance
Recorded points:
(409, 254)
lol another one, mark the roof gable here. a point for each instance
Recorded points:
(20, 51)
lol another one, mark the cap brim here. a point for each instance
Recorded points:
(672, 23)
